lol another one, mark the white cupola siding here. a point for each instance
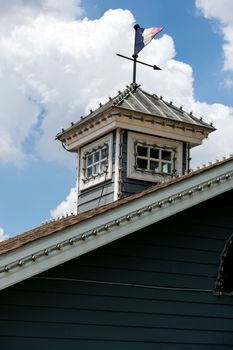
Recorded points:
(132, 142)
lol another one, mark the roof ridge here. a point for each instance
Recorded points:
(122, 95)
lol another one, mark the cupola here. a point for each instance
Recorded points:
(132, 142)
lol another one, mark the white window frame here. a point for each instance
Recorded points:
(135, 139)
(95, 179)
(149, 158)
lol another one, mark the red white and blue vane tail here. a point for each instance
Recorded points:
(144, 37)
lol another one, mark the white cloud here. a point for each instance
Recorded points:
(22, 91)
(54, 67)
(59, 64)
(220, 142)
(26, 10)
(68, 206)
(3, 236)
(65, 9)
(223, 12)
(66, 66)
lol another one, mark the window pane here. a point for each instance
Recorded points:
(166, 168)
(166, 155)
(104, 153)
(89, 159)
(141, 163)
(97, 168)
(154, 153)
(103, 166)
(89, 171)
(96, 156)
(142, 151)
(154, 165)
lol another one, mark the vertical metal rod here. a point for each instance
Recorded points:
(135, 56)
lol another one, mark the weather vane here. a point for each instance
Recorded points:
(142, 38)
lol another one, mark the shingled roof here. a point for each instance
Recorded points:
(133, 98)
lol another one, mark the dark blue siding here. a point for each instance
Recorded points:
(96, 196)
(151, 290)
(184, 157)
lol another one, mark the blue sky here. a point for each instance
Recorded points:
(197, 40)
(59, 59)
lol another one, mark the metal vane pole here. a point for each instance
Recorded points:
(135, 56)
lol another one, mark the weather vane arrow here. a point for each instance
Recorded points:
(142, 38)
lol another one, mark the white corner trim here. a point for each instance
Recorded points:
(48, 252)
(117, 165)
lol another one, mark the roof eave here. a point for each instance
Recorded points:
(81, 123)
(83, 126)
(114, 223)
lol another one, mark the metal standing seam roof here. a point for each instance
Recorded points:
(54, 226)
(135, 99)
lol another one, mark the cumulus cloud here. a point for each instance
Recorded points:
(21, 11)
(3, 235)
(56, 69)
(223, 12)
(220, 142)
(55, 65)
(22, 91)
(68, 206)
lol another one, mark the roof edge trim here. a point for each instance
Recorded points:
(48, 252)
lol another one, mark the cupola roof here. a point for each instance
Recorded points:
(134, 99)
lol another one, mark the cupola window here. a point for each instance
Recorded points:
(96, 162)
(153, 158)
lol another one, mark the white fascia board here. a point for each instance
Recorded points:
(138, 127)
(119, 120)
(113, 224)
(91, 135)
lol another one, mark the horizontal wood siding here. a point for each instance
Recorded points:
(96, 196)
(151, 290)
